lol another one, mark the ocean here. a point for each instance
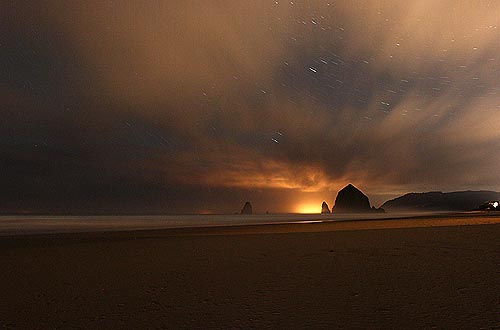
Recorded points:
(43, 224)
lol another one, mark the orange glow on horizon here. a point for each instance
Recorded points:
(307, 208)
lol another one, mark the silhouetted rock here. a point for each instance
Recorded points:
(379, 210)
(325, 209)
(351, 199)
(439, 201)
(247, 209)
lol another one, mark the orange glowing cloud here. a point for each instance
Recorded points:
(270, 174)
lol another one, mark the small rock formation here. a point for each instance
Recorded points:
(325, 209)
(379, 210)
(247, 208)
(351, 199)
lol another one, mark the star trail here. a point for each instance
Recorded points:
(188, 107)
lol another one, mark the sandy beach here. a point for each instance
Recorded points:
(422, 273)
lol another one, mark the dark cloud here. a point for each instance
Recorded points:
(196, 107)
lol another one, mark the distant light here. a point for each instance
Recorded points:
(495, 204)
(308, 208)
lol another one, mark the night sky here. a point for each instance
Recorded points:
(198, 106)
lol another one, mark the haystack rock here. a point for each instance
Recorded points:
(351, 199)
(247, 209)
(325, 209)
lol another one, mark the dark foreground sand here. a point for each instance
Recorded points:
(311, 276)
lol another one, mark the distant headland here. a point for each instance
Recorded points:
(350, 199)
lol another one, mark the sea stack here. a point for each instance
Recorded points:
(325, 209)
(351, 199)
(247, 208)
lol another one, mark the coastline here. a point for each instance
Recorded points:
(231, 224)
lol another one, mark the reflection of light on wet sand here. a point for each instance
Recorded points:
(307, 221)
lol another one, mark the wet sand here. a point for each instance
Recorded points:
(423, 273)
